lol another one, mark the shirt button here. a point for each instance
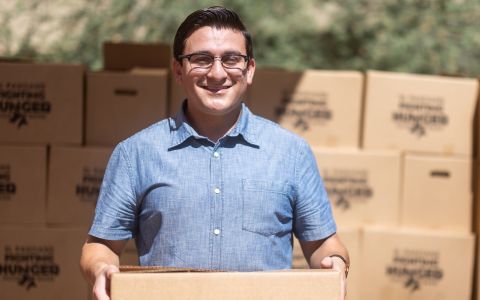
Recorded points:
(216, 154)
(216, 231)
(217, 191)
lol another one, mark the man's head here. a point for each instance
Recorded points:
(217, 17)
(213, 62)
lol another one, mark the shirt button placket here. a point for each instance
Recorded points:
(217, 205)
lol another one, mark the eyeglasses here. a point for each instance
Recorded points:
(203, 61)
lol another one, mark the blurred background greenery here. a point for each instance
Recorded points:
(417, 36)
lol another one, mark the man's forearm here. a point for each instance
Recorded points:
(95, 257)
(331, 246)
(316, 251)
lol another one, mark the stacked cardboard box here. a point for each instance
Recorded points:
(325, 107)
(41, 105)
(430, 120)
(129, 94)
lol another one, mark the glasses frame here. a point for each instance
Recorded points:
(189, 56)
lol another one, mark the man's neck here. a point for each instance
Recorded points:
(211, 126)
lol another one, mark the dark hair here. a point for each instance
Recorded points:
(215, 16)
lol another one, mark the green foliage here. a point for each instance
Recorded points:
(420, 36)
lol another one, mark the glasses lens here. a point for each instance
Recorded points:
(201, 61)
(233, 61)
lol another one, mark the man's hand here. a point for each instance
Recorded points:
(337, 264)
(101, 288)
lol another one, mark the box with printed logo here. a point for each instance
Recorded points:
(416, 264)
(23, 180)
(363, 186)
(172, 283)
(437, 193)
(122, 103)
(419, 113)
(75, 176)
(38, 263)
(350, 237)
(41, 103)
(324, 107)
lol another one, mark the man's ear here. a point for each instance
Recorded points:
(177, 71)
(250, 71)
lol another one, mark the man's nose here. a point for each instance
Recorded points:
(217, 70)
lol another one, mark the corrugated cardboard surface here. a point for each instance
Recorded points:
(416, 265)
(23, 177)
(120, 104)
(324, 107)
(41, 264)
(41, 103)
(75, 176)
(437, 193)
(419, 113)
(363, 186)
(281, 285)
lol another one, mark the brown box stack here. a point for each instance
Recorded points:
(429, 119)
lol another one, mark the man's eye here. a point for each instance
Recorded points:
(231, 59)
(201, 59)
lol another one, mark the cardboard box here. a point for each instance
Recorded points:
(280, 285)
(75, 176)
(23, 179)
(127, 56)
(41, 103)
(41, 264)
(124, 56)
(324, 107)
(419, 113)
(416, 264)
(351, 238)
(120, 104)
(437, 193)
(363, 186)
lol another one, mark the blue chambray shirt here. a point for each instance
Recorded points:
(233, 205)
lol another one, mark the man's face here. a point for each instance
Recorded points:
(216, 91)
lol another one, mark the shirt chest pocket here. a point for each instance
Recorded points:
(267, 208)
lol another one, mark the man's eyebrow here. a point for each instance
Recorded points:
(228, 52)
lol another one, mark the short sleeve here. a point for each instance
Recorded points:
(313, 218)
(116, 206)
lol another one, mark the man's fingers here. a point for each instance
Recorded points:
(101, 289)
(326, 263)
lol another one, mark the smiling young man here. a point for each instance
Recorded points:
(215, 187)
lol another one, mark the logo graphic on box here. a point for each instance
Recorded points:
(20, 101)
(89, 188)
(27, 264)
(303, 108)
(420, 113)
(415, 268)
(7, 187)
(345, 186)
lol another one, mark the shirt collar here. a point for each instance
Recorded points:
(181, 130)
